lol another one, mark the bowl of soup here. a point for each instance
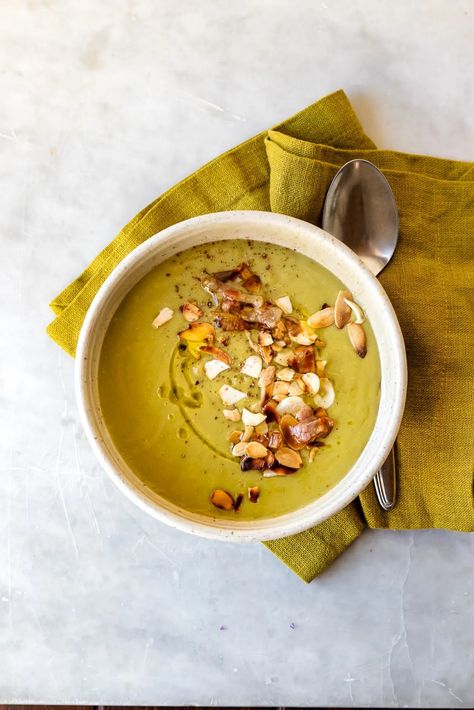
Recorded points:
(241, 376)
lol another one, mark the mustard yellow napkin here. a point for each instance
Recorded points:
(429, 280)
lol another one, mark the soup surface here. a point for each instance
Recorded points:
(166, 416)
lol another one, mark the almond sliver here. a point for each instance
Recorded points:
(214, 368)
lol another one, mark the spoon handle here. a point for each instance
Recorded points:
(385, 482)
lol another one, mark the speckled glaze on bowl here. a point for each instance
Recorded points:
(277, 229)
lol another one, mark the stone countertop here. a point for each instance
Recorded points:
(105, 105)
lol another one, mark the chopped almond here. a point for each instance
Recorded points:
(213, 368)
(342, 312)
(222, 499)
(253, 493)
(230, 395)
(252, 418)
(233, 415)
(286, 374)
(285, 304)
(217, 352)
(252, 366)
(163, 316)
(191, 311)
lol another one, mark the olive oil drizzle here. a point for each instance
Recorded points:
(193, 401)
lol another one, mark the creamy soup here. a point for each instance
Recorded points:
(228, 388)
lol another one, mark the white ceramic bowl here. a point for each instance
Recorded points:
(276, 229)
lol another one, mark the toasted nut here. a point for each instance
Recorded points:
(277, 348)
(303, 359)
(217, 352)
(286, 374)
(163, 316)
(312, 453)
(197, 332)
(275, 440)
(266, 352)
(247, 463)
(295, 389)
(270, 474)
(255, 407)
(255, 450)
(285, 304)
(239, 449)
(270, 460)
(252, 284)
(283, 358)
(267, 376)
(213, 368)
(252, 418)
(342, 312)
(279, 397)
(234, 436)
(322, 319)
(222, 499)
(238, 502)
(279, 331)
(230, 396)
(290, 405)
(280, 388)
(311, 380)
(288, 457)
(248, 433)
(325, 397)
(298, 434)
(261, 428)
(253, 493)
(265, 338)
(358, 339)
(302, 339)
(252, 366)
(271, 410)
(233, 415)
(304, 413)
(191, 311)
(357, 311)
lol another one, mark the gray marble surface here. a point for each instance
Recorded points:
(104, 105)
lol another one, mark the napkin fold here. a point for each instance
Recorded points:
(429, 280)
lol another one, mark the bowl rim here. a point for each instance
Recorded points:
(303, 518)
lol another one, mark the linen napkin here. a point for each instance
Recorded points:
(288, 170)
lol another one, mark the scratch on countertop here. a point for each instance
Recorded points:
(210, 105)
(450, 690)
(402, 634)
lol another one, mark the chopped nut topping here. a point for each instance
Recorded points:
(252, 366)
(253, 493)
(288, 457)
(191, 311)
(248, 433)
(233, 415)
(217, 353)
(358, 339)
(214, 367)
(234, 436)
(230, 395)
(222, 499)
(322, 319)
(325, 397)
(239, 449)
(255, 450)
(285, 304)
(342, 312)
(238, 502)
(265, 338)
(357, 311)
(252, 418)
(286, 374)
(163, 316)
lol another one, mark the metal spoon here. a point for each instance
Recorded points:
(360, 210)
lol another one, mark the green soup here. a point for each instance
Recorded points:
(166, 417)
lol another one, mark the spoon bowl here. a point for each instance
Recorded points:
(360, 210)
